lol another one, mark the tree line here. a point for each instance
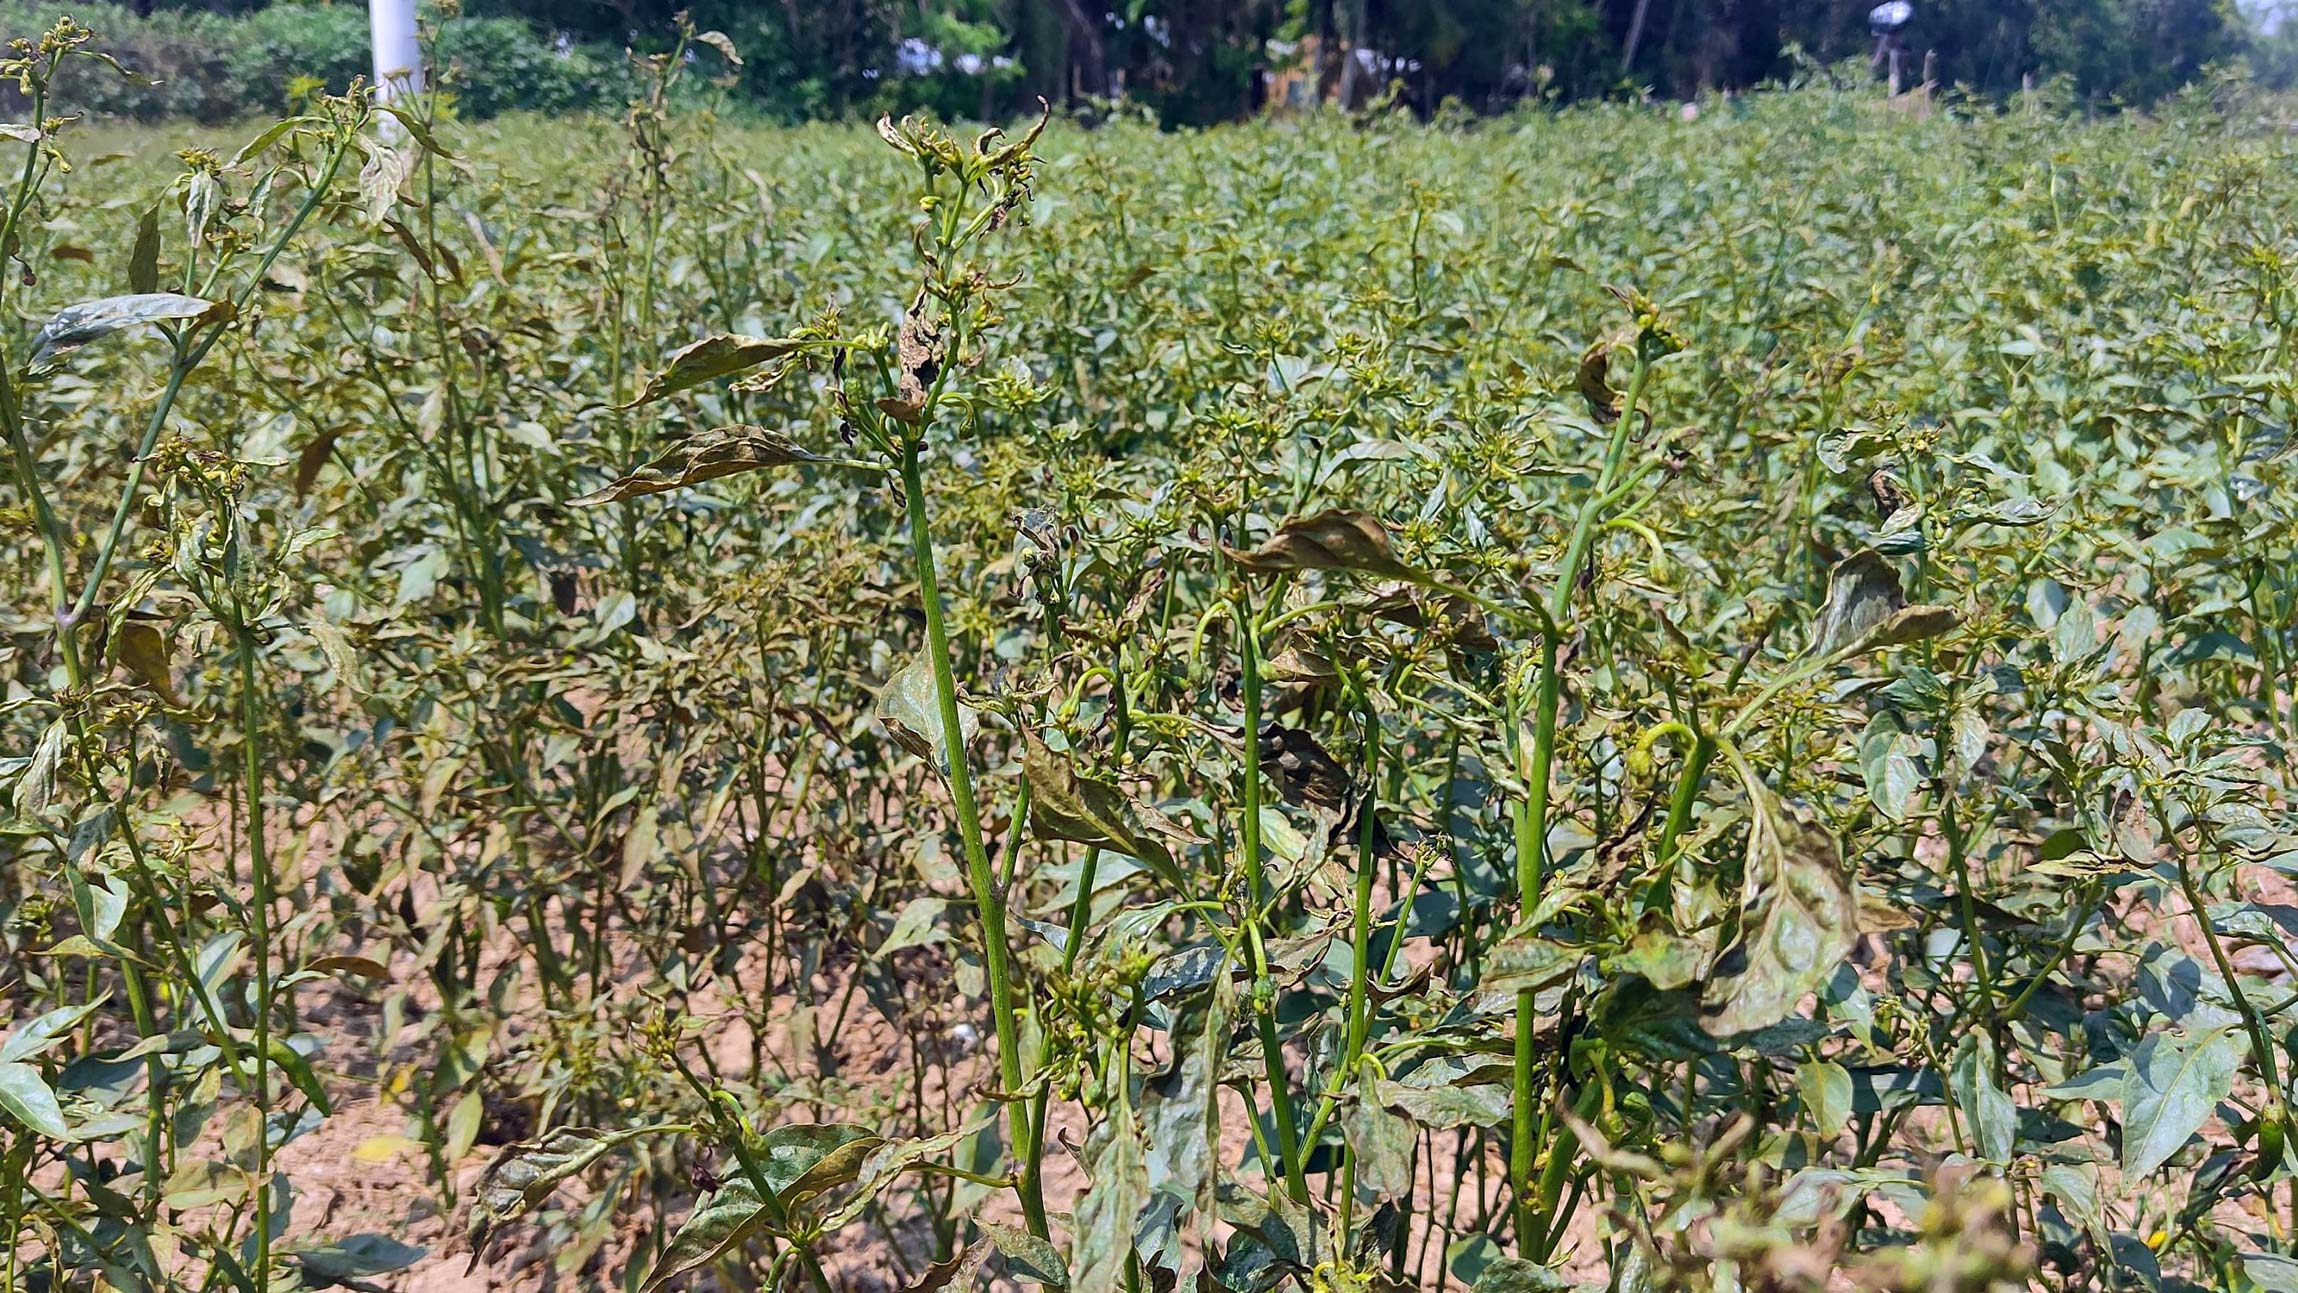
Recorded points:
(1194, 62)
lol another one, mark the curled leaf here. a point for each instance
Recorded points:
(1867, 610)
(523, 1175)
(1798, 923)
(724, 451)
(721, 42)
(720, 355)
(910, 710)
(1081, 810)
(1332, 540)
(77, 325)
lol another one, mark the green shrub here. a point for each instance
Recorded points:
(210, 67)
(272, 47)
(498, 64)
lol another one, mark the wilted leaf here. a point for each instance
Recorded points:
(312, 457)
(77, 325)
(141, 647)
(713, 357)
(384, 1148)
(729, 1216)
(1593, 377)
(364, 966)
(36, 790)
(144, 256)
(958, 1270)
(299, 1072)
(1798, 924)
(723, 451)
(910, 709)
(1383, 1145)
(1028, 1259)
(1110, 1209)
(1866, 610)
(1447, 1105)
(523, 1175)
(1332, 540)
(1081, 810)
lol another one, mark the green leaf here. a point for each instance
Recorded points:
(722, 451)
(144, 257)
(25, 1097)
(1989, 1116)
(2270, 1272)
(272, 134)
(2175, 1081)
(416, 128)
(77, 325)
(1827, 1095)
(347, 1261)
(721, 355)
(1515, 1275)
(914, 927)
(1799, 922)
(1333, 540)
(37, 1035)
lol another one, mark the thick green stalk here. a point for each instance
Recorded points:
(1532, 821)
(1680, 803)
(1360, 935)
(259, 867)
(1256, 885)
(989, 897)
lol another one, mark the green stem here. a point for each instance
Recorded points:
(989, 896)
(1532, 820)
(259, 866)
(1256, 885)
(1360, 937)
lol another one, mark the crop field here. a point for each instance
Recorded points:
(1603, 698)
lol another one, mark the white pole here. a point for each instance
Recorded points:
(398, 59)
